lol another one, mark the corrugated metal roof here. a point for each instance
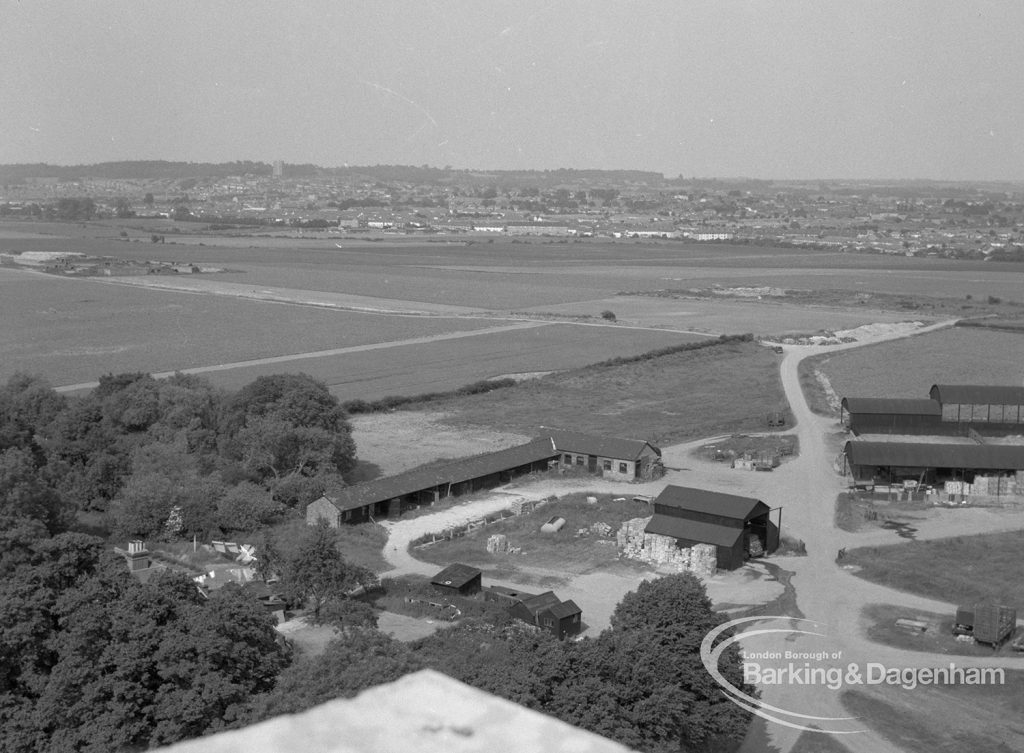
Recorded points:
(714, 503)
(977, 394)
(456, 575)
(892, 405)
(922, 455)
(605, 447)
(455, 472)
(693, 530)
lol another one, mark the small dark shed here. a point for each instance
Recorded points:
(458, 579)
(548, 612)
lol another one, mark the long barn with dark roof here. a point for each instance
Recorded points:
(886, 415)
(983, 407)
(619, 459)
(950, 409)
(931, 463)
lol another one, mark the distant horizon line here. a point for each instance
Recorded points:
(496, 170)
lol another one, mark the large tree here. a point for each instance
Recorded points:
(315, 573)
(94, 660)
(291, 408)
(353, 662)
(27, 495)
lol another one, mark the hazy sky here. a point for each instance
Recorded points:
(768, 88)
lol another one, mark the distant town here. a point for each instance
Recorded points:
(911, 218)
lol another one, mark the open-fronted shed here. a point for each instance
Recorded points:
(985, 406)
(387, 496)
(736, 526)
(880, 415)
(929, 462)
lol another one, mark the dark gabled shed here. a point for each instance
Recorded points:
(893, 460)
(728, 522)
(548, 612)
(879, 415)
(993, 407)
(458, 579)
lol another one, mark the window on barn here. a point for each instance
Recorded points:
(567, 459)
(622, 468)
(607, 465)
(579, 460)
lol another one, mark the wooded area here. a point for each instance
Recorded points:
(93, 659)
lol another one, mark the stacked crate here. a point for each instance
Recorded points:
(664, 551)
(497, 544)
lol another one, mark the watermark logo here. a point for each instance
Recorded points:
(823, 669)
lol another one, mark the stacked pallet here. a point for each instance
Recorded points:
(601, 529)
(497, 544)
(664, 551)
(522, 506)
(958, 488)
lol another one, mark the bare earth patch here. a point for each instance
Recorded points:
(396, 442)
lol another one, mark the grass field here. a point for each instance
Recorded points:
(73, 331)
(441, 366)
(938, 638)
(726, 316)
(724, 389)
(909, 367)
(960, 570)
(944, 719)
(361, 544)
(561, 552)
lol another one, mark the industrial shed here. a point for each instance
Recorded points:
(389, 496)
(458, 580)
(611, 457)
(738, 527)
(984, 407)
(879, 415)
(887, 462)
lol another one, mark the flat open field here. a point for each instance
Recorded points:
(75, 330)
(396, 442)
(412, 369)
(961, 570)
(726, 316)
(501, 274)
(909, 367)
(944, 718)
(717, 390)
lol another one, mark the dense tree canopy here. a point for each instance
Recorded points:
(94, 660)
(145, 451)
